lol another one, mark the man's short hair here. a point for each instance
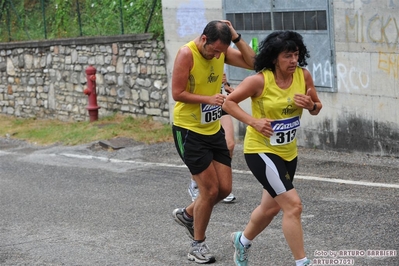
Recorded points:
(217, 30)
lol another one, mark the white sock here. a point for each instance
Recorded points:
(245, 241)
(193, 183)
(301, 261)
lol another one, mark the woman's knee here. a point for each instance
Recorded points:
(290, 203)
(268, 209)
(294, 209)
(273, 211)
(231, 146)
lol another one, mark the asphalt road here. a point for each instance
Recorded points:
(88, 205)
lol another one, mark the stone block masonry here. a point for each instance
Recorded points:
(46, 79)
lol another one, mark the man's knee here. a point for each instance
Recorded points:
(224, 192)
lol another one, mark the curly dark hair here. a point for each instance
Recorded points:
(217, 30)
(277, 42)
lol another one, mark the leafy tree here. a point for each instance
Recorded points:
(41, 19)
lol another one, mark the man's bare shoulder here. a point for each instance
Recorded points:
(184, 58)
(184, 51)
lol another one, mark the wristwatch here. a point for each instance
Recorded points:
(236, 40)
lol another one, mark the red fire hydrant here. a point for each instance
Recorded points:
(91, 92)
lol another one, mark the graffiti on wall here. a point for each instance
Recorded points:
(389, 63)
(391, 3)
(351, 78)
(322, 74)
(191, 18)
(378, 29)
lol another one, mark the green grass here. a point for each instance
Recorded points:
(45, 132)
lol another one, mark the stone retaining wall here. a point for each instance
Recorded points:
(46, 79)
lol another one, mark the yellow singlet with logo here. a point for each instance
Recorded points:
(277, 104)
(205, 79)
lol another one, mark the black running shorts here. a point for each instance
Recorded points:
(198, 151)
(275, 174)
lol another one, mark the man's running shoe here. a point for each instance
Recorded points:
(193, 191)
(179, 218)
(199, 252)
(230, 198)
(240, 251)
(307, 263)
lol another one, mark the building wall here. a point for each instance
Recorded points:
(183, 22)
(46, 79)
(362, 114)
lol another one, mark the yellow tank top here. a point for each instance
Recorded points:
(205, 79)
(277, 104)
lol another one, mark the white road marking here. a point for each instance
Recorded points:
(350, 182)
(314, 178)
(303, 177)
